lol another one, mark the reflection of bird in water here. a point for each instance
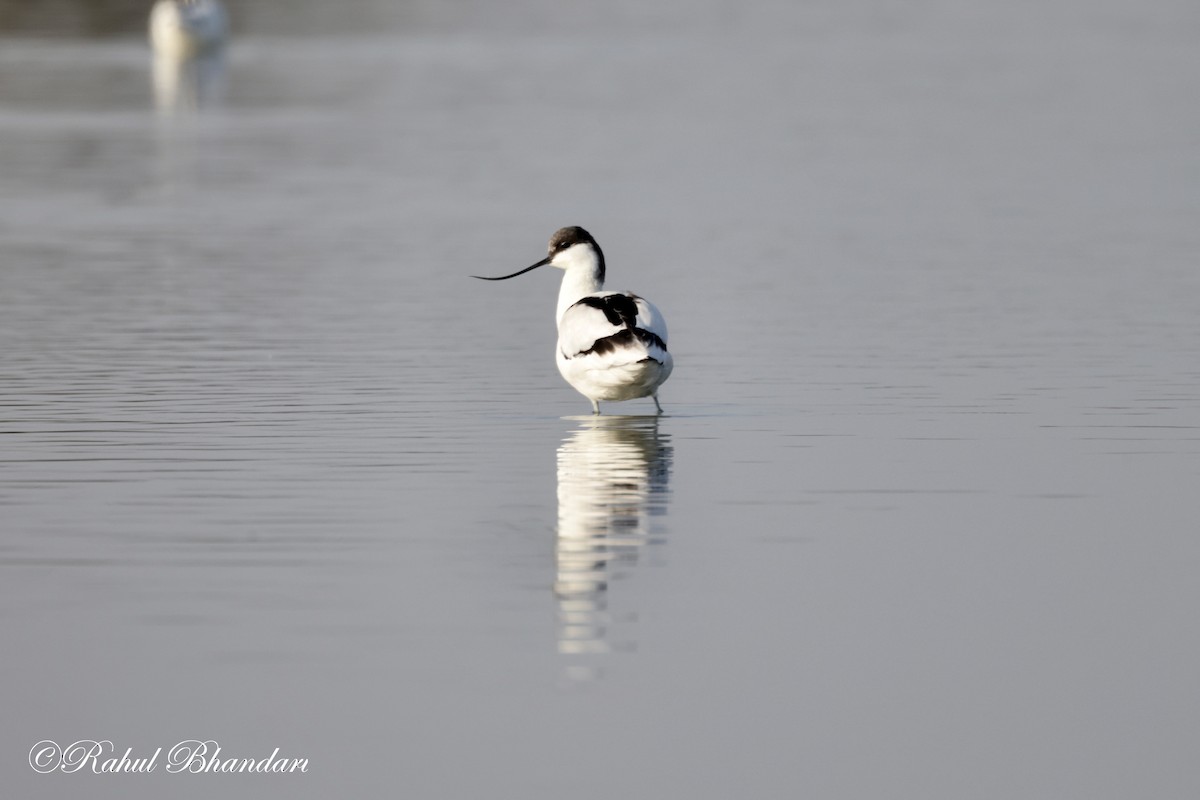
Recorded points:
(186, 84)
(185, 28)
(613, 475)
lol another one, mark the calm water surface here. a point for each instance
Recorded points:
(921, 518)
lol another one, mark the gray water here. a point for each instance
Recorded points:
(920, 520)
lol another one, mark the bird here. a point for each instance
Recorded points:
(612, 346)
(186, 28)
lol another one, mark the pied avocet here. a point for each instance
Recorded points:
(611, 345)
(184, 28)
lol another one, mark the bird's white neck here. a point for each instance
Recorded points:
(582, 278)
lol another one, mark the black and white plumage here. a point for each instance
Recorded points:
(611, 345)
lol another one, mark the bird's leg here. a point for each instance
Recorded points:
(654, 397)
(595, 408)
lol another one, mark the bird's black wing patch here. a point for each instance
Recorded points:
(619, 309)
(620, 339)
